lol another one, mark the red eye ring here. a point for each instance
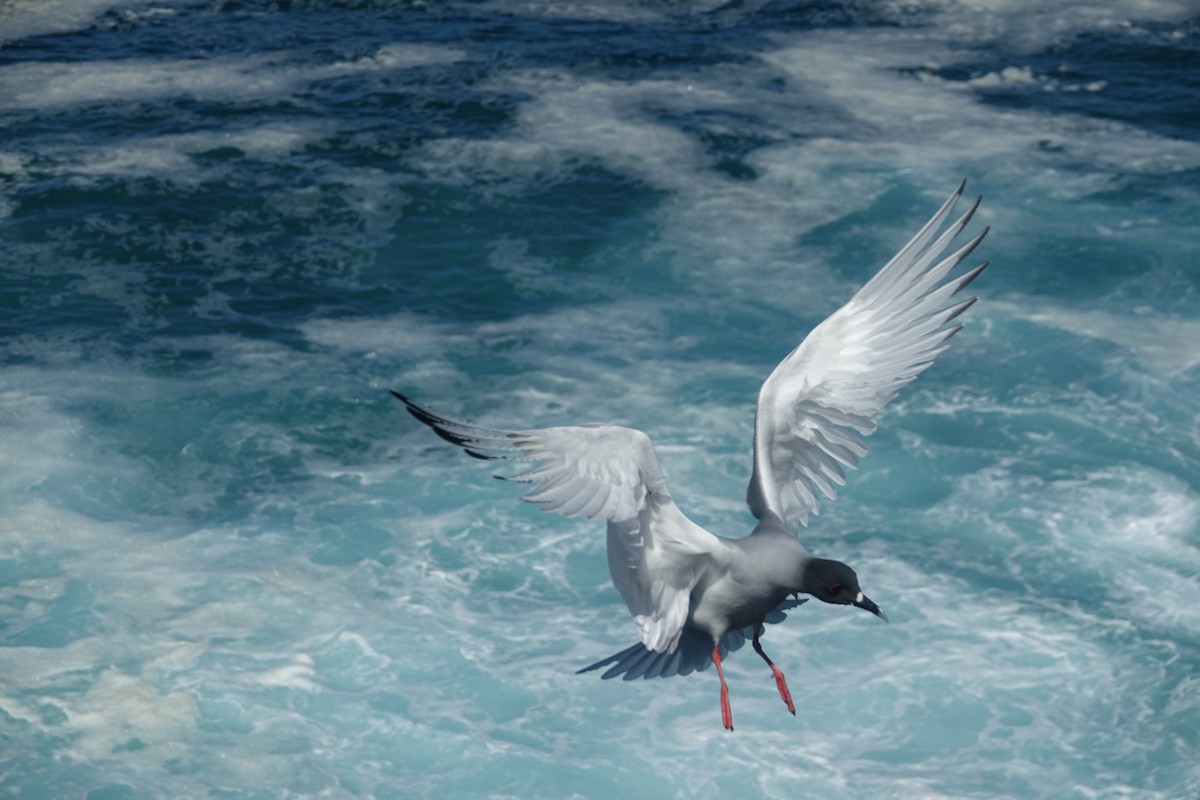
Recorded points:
(835, 588)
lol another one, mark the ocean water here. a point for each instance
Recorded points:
(232, 567)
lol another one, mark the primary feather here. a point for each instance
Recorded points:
(817, 406)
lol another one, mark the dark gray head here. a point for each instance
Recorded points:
(833, 582)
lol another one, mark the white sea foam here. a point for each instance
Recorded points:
(263, 76)
(589, 10)
(1030, 25)
(174, 157)
(573, 119)
(23, 18)
(120, 710)
(866, 85)
(878, 119)
(1161, 343)
(185, 621)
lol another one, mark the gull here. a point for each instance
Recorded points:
(696, 596)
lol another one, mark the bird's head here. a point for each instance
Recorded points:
(833, 582)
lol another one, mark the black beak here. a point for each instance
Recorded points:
(864, 602)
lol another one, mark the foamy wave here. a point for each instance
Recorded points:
(24, 18)
(44, 84)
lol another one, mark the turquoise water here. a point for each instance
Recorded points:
(232, 567)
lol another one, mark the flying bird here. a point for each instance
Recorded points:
(696, 596)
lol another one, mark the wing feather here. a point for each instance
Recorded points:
(816, 407)
(655, 554)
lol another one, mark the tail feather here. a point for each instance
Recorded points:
(693, 654)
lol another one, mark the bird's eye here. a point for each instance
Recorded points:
(835, 588)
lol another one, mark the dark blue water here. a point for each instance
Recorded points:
(230, 566)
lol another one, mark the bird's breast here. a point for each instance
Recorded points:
(729, 604)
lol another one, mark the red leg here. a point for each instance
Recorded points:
(780, 683)
(726, 711)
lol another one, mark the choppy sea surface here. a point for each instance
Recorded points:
(232, 567)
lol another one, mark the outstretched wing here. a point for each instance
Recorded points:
(655, 553)
(817, 405)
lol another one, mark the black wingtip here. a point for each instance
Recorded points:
(974, 207)
(414, 409)
(428, 417)
(452, 438)
(962, 187)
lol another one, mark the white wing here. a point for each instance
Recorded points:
(655, 553)
(817, 404)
